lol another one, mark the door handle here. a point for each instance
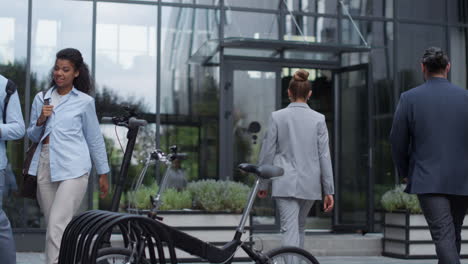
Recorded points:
(227, 114)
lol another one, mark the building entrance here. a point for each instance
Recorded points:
(252, 90)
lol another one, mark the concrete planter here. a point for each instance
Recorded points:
(407, 236)
(217, 228)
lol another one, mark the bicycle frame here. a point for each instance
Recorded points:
(131, 136)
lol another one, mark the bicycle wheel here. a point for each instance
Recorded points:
(115, 255)
(291, 255)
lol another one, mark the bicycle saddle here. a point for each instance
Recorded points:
(263, 171)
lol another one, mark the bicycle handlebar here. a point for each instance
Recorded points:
(135, 122)
(131, 122)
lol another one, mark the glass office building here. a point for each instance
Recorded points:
(207, 73)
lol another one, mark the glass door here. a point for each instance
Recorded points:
(353, 149)
(250, 94)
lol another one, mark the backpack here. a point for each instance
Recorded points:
(9, 89)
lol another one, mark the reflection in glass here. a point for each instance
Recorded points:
(311, 29)
(251, 25)
(207, 2)
(431, 10)
(413, 40)
(376, 34)
(380, 8)
(189, 92)
(264, 4)
(126, 54)
(13, 43)
(54, 29)
(353, 154)
(254, 100)
(314, 6)
(457, 11)
(458, 42)
(126, 76)
(251, 52)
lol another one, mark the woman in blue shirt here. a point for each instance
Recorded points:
(72, 137)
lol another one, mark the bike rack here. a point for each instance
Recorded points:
(85, 235)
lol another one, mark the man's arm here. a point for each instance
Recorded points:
(400, 137)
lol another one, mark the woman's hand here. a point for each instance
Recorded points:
(328, 203)
(45, 113)
(103, 185)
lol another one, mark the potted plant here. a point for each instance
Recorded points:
(406, 233)
(207, 209)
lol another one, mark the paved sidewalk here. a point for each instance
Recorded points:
(38, 258)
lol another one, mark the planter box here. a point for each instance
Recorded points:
(407, 236)
(216, 228)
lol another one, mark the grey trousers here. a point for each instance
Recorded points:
(7, 243)
(444, 215)
(59, 201)
(293, 213)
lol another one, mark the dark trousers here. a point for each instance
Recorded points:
(444, 215)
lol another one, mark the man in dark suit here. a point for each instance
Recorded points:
(430, 149)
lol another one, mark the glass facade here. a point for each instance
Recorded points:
(144, 54)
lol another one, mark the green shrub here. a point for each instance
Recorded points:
(140, 199)
(207, 195)
(176, 200)
(213, 196)
(397, 199)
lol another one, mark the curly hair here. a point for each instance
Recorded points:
(84, 81)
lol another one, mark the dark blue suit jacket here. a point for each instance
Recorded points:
(430, 138)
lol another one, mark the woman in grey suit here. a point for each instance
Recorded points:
(297, 141)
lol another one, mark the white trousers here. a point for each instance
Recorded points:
(59, 201)
(293, 214)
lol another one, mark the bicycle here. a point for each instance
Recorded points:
(146, 239)
(212, 253)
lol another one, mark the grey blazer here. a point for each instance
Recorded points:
(297, 141)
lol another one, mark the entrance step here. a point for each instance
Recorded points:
(320, 244)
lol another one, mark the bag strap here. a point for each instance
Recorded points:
(10, 89)
(46, 102)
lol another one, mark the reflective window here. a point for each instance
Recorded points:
(413, 40)
(126, 54)
(189, 92)
(251, 25)
(432, 10)
(68, 24)
(315, 6)
(376, 34)
(458, 56)
(383, 163)
(179, 1)
(13, 45)
(126, 76)
(380, 8)
(311, 29)
(457, 11)
(382, 77)
(265, 4)
(207, 2)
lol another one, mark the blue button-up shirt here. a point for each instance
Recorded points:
(14, 127)
(74, 136)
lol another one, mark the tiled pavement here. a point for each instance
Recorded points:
(38, 258)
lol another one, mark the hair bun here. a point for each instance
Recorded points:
(301, 75)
